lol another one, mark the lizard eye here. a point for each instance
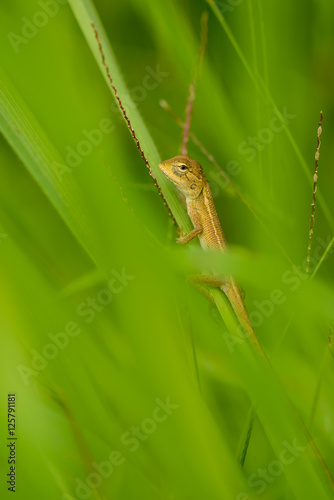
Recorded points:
(183, 167)
(193, 186)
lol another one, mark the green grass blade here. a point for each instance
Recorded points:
(32, 146)
(265, 93)
(86, 14)
(323, 257)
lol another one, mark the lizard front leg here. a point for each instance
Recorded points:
(198, 229)
(185, 238)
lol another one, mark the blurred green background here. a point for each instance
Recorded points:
(126, 385)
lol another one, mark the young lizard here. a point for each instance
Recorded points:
(188, 176)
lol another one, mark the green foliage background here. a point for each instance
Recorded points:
(66, 230)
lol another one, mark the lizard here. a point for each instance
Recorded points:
(189, 178)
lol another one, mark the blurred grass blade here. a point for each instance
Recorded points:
(30, 143)
(323, 257)
(309, 474)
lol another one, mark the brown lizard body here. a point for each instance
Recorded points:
(188, 176)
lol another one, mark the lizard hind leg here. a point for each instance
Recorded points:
(207, 279)
(199, 281)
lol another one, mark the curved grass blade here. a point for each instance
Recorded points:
(86, 15)
(30, 143)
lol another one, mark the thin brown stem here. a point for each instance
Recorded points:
(192, 87)
(127, 119)
(315, 185)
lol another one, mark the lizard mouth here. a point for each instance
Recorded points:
(172, 179)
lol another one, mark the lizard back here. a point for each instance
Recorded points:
(203, 209)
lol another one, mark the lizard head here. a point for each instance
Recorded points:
(186, 173)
